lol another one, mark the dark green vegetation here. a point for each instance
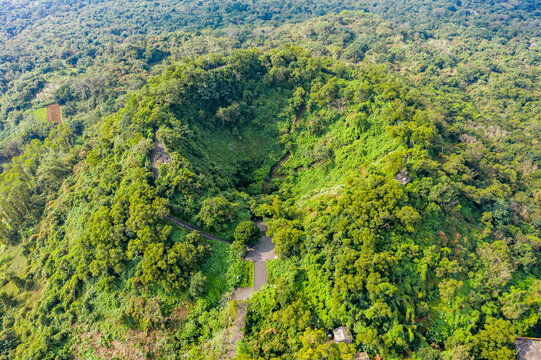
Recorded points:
(86, 55)
(445, 265)
(247, 233)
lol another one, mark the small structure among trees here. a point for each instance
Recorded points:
(159, 156)
(403, 177)
(342, 334)
(362, 356)
(528, 348)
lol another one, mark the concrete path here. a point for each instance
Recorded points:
(264, 249)
(260, 274)
(259, 254)
(243, 293)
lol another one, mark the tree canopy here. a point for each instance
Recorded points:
(392, 152)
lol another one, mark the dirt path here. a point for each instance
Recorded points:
(237, 329)
(54, 114)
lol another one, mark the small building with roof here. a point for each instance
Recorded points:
(342, 334)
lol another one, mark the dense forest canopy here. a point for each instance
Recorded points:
(391, 148)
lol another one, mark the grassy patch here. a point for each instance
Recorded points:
(12, 261)
(276, 268)
(248, 274)
(40, 114)
(239, 155)
(5, 258)
(349, 152)
(215, 266)
(215, 269)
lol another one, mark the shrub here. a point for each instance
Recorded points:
(198, 285)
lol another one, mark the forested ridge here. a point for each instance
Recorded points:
(407, 209)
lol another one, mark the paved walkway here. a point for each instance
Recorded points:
(259, 254)
(264, 249)
(260, 274)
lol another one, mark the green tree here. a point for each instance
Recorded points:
(315, 346)
(247, 232)
(496, 340)
(198, 285)
(286, 236)
(428, 353)
(216, 211)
